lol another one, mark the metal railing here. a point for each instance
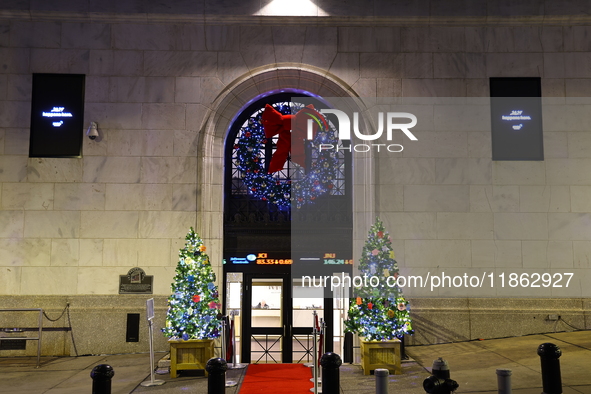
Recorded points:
(15, 330)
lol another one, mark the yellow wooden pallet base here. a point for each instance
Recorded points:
(381, 354)
(190, 354)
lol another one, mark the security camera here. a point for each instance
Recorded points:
(92, 132)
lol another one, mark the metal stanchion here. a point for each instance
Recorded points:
(234, 364)
(101, 379)
(315, 380)
(321, 346)
(381, 375)
(504, 381)
(311, 365)
(551, 379)
(150, 315)
(322, 336)
(223, 338)
(229, 383)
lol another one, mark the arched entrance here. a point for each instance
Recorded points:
(233, 241)
(264, 290)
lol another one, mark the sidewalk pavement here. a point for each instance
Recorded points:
(472, 364)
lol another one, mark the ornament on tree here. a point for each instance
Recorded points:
(190, 314)
(385, 315)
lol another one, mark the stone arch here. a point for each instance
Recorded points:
(218, 120)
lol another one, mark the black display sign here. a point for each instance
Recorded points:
(57, 115)
(260, 258)
(516, 119)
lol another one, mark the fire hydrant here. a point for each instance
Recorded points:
(439, 382)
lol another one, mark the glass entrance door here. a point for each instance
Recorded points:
(278, 318)
(267, 319)
(311, 306)
(307, 303)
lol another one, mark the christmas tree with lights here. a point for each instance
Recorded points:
(193, 307)
(379, 312)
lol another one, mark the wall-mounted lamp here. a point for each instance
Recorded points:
(92, 132)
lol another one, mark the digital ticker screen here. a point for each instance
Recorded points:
(516, 119)
(57, 115)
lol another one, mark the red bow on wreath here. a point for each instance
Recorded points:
(276, 123)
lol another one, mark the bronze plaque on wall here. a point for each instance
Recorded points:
(136, 282)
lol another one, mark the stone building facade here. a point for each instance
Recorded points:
(164, 82)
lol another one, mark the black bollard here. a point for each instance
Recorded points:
(439, 382)
(348, 348)
(551, 381)
(330, 363)
(403, 355)
(381, 375)
(101, 379)
(216, 380)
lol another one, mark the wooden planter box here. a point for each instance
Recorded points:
(380, 354)
(190, 354)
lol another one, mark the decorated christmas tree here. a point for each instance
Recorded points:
(193, 307)
(379, 312)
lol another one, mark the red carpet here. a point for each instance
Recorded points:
(277, 379)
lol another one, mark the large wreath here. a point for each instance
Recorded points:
(265, 184)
